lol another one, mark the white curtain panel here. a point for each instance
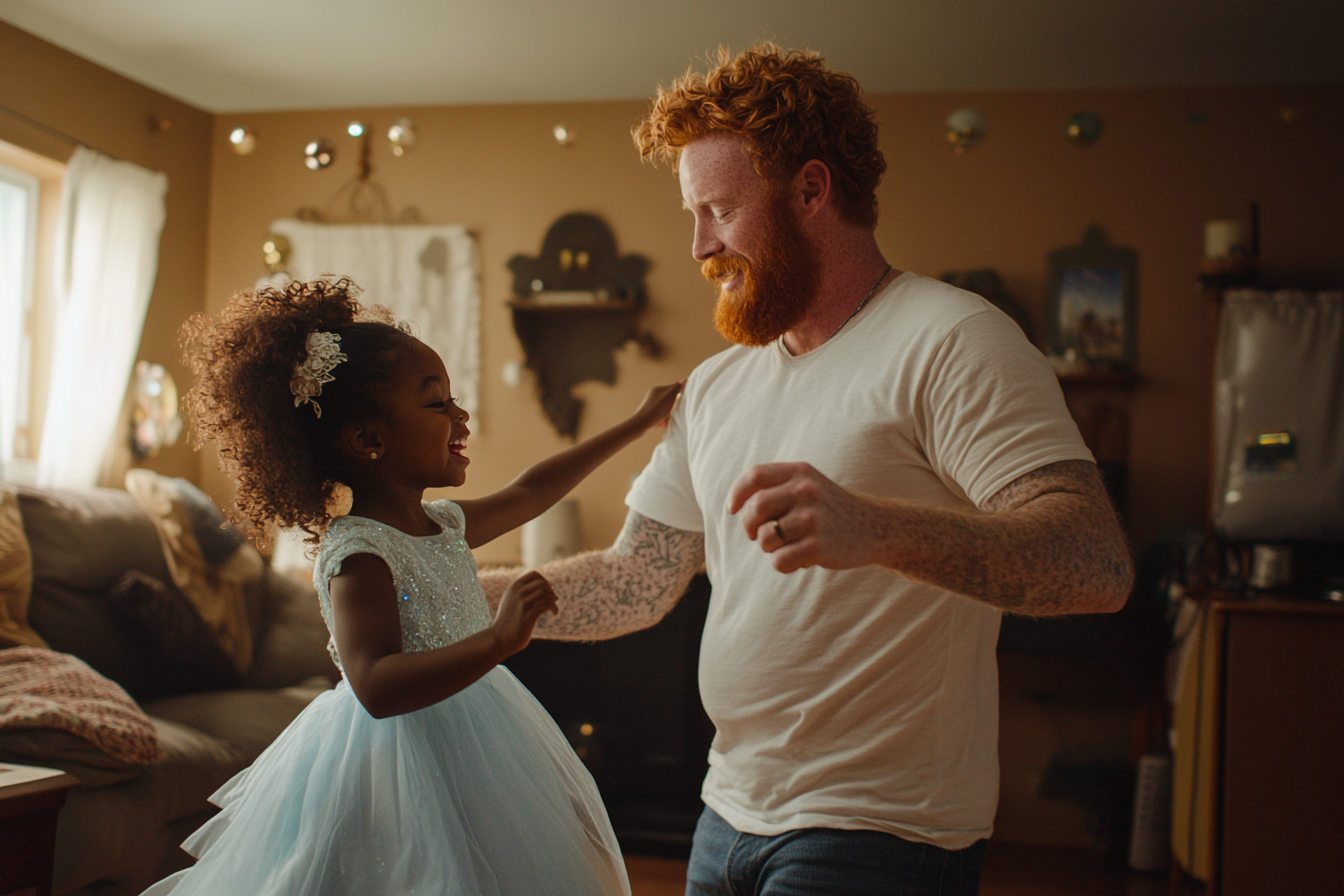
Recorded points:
(428, 275)
(107, 256)
(18, 230)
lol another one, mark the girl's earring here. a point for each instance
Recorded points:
(373, 455)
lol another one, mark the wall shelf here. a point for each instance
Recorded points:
(528, 306)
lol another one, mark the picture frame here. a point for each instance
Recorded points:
(1093, 304)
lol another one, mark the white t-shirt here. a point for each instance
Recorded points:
(857, 699)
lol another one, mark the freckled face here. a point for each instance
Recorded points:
(424, 431)
(748, 240)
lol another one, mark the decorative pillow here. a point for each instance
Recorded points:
(188, 523)
(16, 576)
(173, 634)
(44, 689)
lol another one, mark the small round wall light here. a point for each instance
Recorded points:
(966, 128)
(564, 134)
(243, 139)
(319, 154)
(1084, 128)
(355, 129)
(275, 251)
(401, 135)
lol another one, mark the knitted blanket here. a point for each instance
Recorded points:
(45, 689)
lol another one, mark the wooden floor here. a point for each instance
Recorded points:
(1010, 870)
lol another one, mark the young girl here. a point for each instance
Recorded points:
(429, 769)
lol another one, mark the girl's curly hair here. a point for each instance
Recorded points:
(787, 108)
(281, 456)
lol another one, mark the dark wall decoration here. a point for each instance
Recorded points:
(574, 304)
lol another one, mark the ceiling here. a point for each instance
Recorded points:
(254, 55)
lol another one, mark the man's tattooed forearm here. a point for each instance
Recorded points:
(1048, 562)
(631, 586)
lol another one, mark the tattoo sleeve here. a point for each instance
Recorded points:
(1050, 545)
(604, 594)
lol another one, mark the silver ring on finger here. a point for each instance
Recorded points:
(779, 530)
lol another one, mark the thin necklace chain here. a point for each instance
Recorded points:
(861, 304)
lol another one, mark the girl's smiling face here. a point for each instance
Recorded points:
(424, 431)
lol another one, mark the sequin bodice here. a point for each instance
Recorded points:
(438, 594)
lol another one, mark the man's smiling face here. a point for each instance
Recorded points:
(748, 241)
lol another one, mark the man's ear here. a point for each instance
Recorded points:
(812, 184)
(360, 440)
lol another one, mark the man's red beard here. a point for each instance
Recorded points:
(777, 289)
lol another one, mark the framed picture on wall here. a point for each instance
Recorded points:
(1093, 303)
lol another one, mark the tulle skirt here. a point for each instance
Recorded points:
(478, 794)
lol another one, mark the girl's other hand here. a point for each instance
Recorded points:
(526, 598)
(657, 405)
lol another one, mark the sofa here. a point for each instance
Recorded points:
(217, 649)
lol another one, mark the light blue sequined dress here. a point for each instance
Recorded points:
(477, 794)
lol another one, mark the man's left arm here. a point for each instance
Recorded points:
(1049, 543)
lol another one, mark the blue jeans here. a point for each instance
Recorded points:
(825, 861)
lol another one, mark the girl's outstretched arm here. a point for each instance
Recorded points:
(388, 682)
(544, 483)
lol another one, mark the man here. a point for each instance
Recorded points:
(879, 469)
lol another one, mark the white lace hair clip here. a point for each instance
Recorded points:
(323, 354)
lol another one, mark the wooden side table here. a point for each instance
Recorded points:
(30, 802)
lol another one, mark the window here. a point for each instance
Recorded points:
(29, 204)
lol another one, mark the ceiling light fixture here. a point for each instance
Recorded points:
(319, 154)
(966, 128)
(243, 139)
(401, 135)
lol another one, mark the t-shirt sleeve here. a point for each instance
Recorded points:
(664, 492)
(993, 409)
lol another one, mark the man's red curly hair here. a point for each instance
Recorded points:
(787, 108)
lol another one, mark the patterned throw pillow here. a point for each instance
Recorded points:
(187, 524)
(173, 633)
(16, 576)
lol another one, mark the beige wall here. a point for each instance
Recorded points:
(111, 114)
(1151, 183)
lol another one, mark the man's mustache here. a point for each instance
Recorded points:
(718, 267)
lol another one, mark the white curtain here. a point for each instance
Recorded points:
(18, 232)
(107, 256)
(426, 274)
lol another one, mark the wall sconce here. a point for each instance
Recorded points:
(401, 135)
(155, 421)
(319, 154)
(564, 134)
(1084, 129)
(966, 128)
(243, 139)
